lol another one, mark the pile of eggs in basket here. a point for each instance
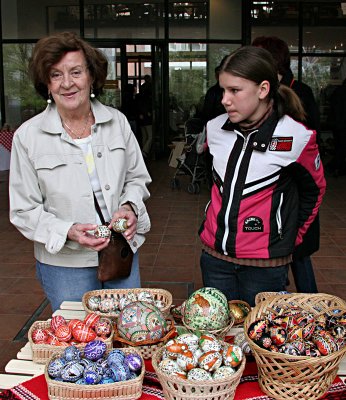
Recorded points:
(94, 366)
(63, 333)
(299, 333)
(110, 303)
(199, 358)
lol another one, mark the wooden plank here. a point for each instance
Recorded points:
(8, 381)
(71, 314)
(25, 353)
(72, 305)
(24, 367)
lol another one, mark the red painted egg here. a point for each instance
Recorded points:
(278, 335)
(56, 321)
(91, 319)
(75, 322)
(83, 333)
(39, 335)
(63, 333)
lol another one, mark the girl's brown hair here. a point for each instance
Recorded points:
(257, 65)
(50, 50)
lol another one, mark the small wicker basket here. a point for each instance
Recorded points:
(159, 294)
(41, 353)
(219, 333)
(175, 388)
(284, 376)
(125, 390)
(147, 347)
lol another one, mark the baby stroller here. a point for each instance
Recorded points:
(192, 161)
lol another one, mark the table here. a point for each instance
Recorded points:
(24, 371)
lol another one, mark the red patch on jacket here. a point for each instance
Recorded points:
(281, 144)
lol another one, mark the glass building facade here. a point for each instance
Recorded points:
(178, 43)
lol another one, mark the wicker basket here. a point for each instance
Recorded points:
(264, 296)
(175, 388)
(125, 390)
(158, 294)
(219, 333)
(284, 376)
(41, 353)
(147, 347)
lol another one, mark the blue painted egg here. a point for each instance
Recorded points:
(115, 356)
(91, 377)
(106, 379)
(95, 349)
(55, 367)
(133, 361)
(72, 371)
(72, 353)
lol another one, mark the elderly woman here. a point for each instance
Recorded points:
(75, 149)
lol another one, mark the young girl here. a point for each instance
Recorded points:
(268, 180)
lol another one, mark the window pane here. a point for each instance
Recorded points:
(46, 18)
(21, 99)
(128, 19)
(198, 19)
(324, 27)
(111, 95)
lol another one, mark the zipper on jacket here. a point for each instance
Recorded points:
(278, 216)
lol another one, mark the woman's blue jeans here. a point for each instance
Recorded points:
(241, 282)
(64, 283)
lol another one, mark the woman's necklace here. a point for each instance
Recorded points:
(76, 136)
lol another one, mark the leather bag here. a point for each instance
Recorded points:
(115, 261)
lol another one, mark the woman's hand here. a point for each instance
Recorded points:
(126, 212)
(82, 234)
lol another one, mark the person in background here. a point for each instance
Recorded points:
(301, 267)
(128, 106)
(268, 180)
(145, 115)
(337, 121)
(75, 149)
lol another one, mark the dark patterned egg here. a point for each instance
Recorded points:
(278, 335)
(294, 332)
(133, 361)
(339, 331)
(308, 330)
(299, 344)
(325, 342)
(257, 328)
(288, 348)
(264, 341)
(95, 349)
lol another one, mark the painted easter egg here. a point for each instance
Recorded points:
(56, 321)
(199, 374)
(190, 339)
(103, 327)
(169, 366)
(72, 371)
(39, 335)
(83, 333)
(241, 341)
(91, 320)
(145, 295)
(133, 361)
(174, 347)
(102, 231)
(93, 302)
(208, 342)
(232, 355)
(207, 308)
(95, 349)
(187, 360)
(55, 367)
(210, 360)
(140, 321)
(74, 322)
(257, 328)
(91, 377)
(116, 356)
(72, 353)
(223, 372)
(108, 304)
(63, 333)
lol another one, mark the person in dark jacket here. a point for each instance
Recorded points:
(302, 269)
(337, 121)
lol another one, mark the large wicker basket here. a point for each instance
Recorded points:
(175, 388)
(41, 353)
(159, 294)
(147, 347)
(125, 390)
(284, 376)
